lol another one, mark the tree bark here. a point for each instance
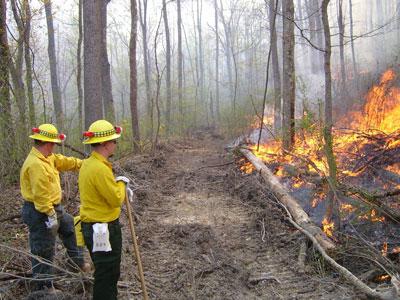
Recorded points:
(133, 76)
(51, 49)
(353, 55)
(289, 76)
(92, 63)
(168, 69)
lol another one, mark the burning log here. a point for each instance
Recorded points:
(299, 215)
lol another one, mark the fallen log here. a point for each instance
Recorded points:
(299, 215)
(300, 220)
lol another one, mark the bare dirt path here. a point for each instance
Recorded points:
(206, 231)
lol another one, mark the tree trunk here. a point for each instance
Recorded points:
(28, 63)
(217, 108)
(168, 69)
(6, 125)
(180, 65)
(79, 67)
(146, 57)
(353, 55)
(51, 49)
(273, 5)
(341, 47)
(92, 62)
(201, 52)
(108, 102)
(332, 211)
(289, 77)
(133, 76)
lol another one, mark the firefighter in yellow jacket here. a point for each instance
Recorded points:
(101, 198)
(42, 210)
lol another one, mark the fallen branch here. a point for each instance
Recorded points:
(391, 294)
(299, 215)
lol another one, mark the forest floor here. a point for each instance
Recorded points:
(206, 231)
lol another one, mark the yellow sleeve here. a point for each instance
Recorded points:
(112, 191)
(39, 183)
(64, 163)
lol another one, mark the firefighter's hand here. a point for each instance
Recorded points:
(129, 193)
(52, 223)
(123, 178)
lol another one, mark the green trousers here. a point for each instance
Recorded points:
(107, 264)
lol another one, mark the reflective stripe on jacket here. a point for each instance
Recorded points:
(40, 179)
(101, 196)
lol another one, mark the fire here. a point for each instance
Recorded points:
(328, 227)
(384, 249)
(246, 166)
(347, 207)
(383, 278)
(396, 250)
(372, 216)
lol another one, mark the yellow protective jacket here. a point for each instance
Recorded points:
(101, 196)
(40, 179)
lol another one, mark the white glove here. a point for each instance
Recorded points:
(122, 178)
(130, 194)
(52, 223)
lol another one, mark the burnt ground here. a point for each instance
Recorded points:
(206, 231)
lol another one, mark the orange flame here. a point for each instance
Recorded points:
(328, 227)
(384, 249)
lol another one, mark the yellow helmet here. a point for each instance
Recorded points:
(47, 133)
(101, 131)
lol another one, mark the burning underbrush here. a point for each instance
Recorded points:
(367, 151)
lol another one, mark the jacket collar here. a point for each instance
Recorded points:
(39, 154)
(101, 158)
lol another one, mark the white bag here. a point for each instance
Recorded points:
(101, 238)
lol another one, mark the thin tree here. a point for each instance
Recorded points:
(168, 68)
(180, 64)
(133, 76)
(79, 67)
(51, 49)
(353, 55)
(341, 46)
(332, 209)
(28, 62)
(217, 108)
(289, 76)
(6, 124)
(273, 4)
(146, 58)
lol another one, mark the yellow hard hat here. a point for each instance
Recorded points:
(47, 133)
(101, 131)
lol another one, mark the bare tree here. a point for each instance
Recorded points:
(289, 80)
(146, 58)
(353, 55)
(28, 62)
(273, 5)
(133, 76)
(51, 49)
(92, 60)
(79, 67)
(216, 61)
(341, 46)
(168, 68)
(6, 124)
(332, 209)
(180, 63)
